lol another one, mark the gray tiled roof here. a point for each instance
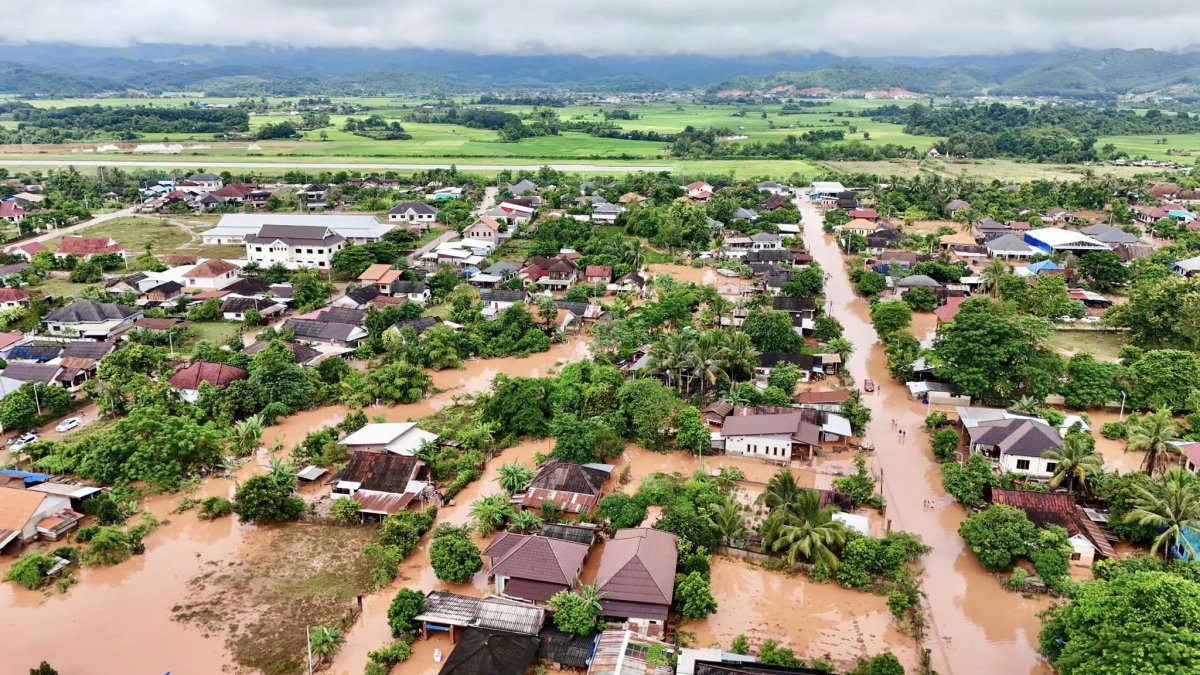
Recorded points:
(90, 311)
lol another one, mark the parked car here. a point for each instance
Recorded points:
(67, 424)
(1091, 319)
(21, 442)
(869, 385)
(1065, 319)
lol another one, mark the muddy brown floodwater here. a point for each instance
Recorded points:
(119, 618)
(975, 627)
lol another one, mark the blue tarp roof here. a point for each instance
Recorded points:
(30, 478)
(1043, 265)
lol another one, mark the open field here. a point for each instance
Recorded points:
(136, 233)
(1105, 346)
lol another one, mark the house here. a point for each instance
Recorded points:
(86, 247)
(382, 484)
(946, 313)
(313, 195)
(625, 652)
(485, 228)
(797, 308)
(359, 298)
(637, 578)
(294, 246)
(631, 198)
(236, 228)
(597, 274)
(11, 298)
(557, 274)
(235, 193)
(413, 213)
(91, 319)
(525, 186)
(1055, 215)
(825, 401)
(204, 182)
(26, 250)
(1056, 508)
(572, 488)
(500, 300)
(1187, 268)
(488, 651)
(39, 373)
(582, 312)
(418, 325)
(213, 274)
(303, 354)
(863, 214)
(607, 213)
(772, 203)
(187, 380)
(235, 308)
(775, 438)
(448, 612)
(1016, 445)
(742, 213)
(773, 188)
(915, 281)
(630, 283)
(26, 514)
(1058, 240)
(564, 650)
(412, 291)
(860, 226)
(1108, 234)
(325, 332)
(699, 191)
(529, 567)
(955, 205)
(12, 212)
(1008, 246)
(397, 438)
(163, 293)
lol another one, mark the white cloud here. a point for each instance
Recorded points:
(719, 28)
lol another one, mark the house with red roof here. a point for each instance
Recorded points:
(86, 247)
(865, 214)
(214, 274)
(12, 212)
(11, 298)
(26, 250)
(699, 191)
(598, 274)
(187, 381)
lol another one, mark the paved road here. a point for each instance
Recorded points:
(216, 162)
(96, 220)
(448, 235)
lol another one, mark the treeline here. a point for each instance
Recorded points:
(495, 99)
(1059, 134)
(50, 125)
(694, 143)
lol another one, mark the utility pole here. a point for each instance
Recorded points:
(308, 637)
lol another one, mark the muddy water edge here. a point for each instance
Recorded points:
(119, 618)
(974, 627)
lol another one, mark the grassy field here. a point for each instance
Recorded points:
(1105, 346)
(999, 169)
(216, 332)
(136, 233)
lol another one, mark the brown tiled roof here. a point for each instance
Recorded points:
(538, 559)
(13, 295)
(210, 268)
(17, 507)
(374, 272)
(836, 396)
(638, 566)
(216, 374)
(598, 271)
(1043, 508)
(158, 324)
(87, 246)
(557, 474)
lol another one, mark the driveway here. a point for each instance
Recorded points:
(448, 235)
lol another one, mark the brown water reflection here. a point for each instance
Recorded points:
(975, 627)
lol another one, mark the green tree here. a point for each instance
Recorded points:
(856, 412)
(1075, 463)
(454, 557)
(398, 383)
(772, 331)
(490, 513)
(262, 499)
(998, 536)
(43, 669)
(621, 511)
(880, 664)
(1171, 509)
(1164, 379)
(806, 531)
(1153, 435)
(325, 641)
(344, 510)
(870, 283)
(945, 443)
(577, 613)
(407, 604)
(693, 596)
(785, 376)
(827, 329)
(920, 299)
(806, 283)
(1051, 556)
(1146, 622)
(890, 316)
(692, 434)
(1104, 269)
(728, 522)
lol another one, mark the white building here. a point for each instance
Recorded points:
(398, 438)
(1016, 445)
(294, 246)
(202, 182)
(415, 213)
(213, 274)
(235, 228)
(23, 513)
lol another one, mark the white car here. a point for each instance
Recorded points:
(21, 442)
(1091, 319)
(67, 424)
(1065, 319)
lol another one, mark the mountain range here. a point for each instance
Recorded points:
(67, 70)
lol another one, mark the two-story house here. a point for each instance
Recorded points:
(557, 273)
(484, 229)
(213, 274)
(294, 246)
(413, 213)
(203, 182)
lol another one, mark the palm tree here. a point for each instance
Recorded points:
(427, 451)
(740, 356)
(247, 433)
(728, 521)
(490, 513)
(992, 274)
(1153, 435)
(325, 642)
(782, 491)
(1174, 509)
(514, 476)
(1027, 405)
(671, 356)
(632, 252)
(1076, 461)
(808, 531)
(707, 359)
(279, 471)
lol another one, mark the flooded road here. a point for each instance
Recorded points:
(975, 627)
(119, 618)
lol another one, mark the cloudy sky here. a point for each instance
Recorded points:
(595, 27)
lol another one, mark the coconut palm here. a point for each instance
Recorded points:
(1075, 463)
(729, 522)
(1027, 405)
(992, 274)
(1174, 508)
(632, 252)
(809, 532)
(740, 356)
(514, 476)
(708, 359)
(325, 642)
(782, 491)
(671, 356)
(1153, 435)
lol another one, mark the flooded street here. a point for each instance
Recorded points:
(975, 627)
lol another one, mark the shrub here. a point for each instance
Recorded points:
(936, 420)
(740, 645)
(108, 546)
(388, 657)
(693, 596)
(860, 485)
(998, 536)
(1018, 579)
(30, 571)
(214, 507)
(344, 510)
(453, 556)
(265, 499)
(405, 529)
(84, 534)
(574, 613)
(881, 664)
(1114, 430)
